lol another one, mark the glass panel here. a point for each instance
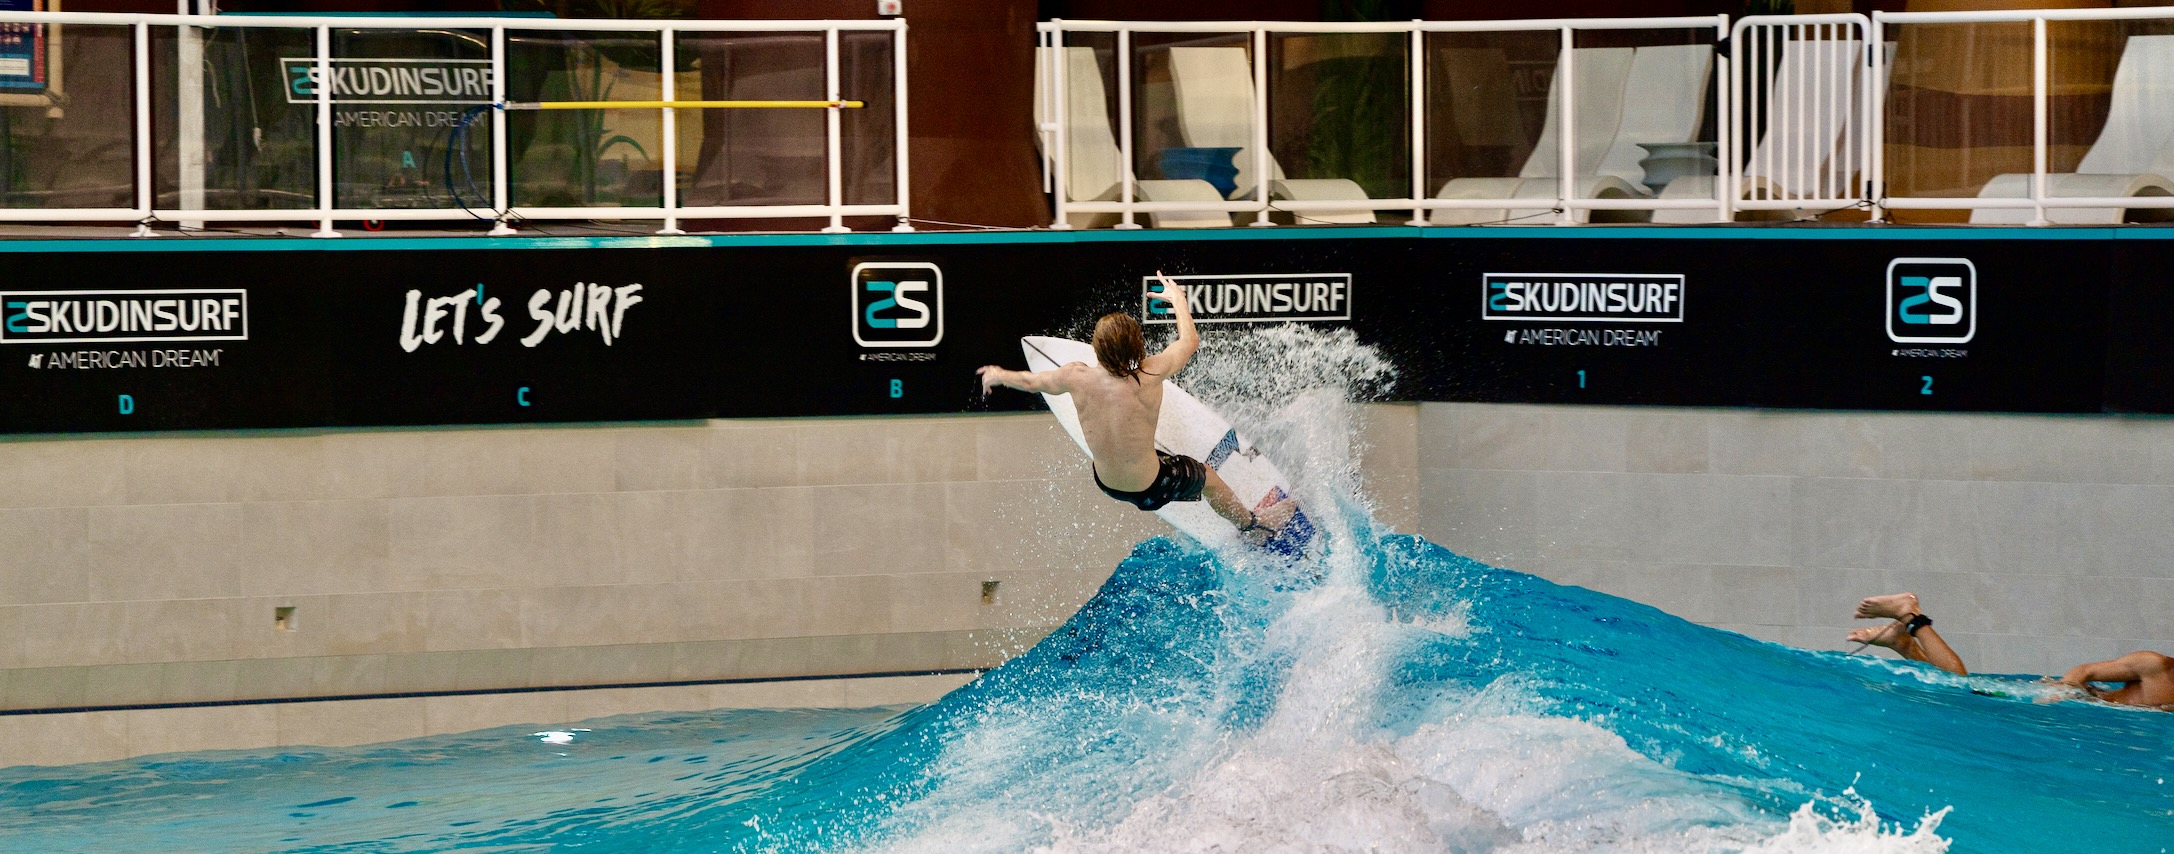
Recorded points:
(1340, 107)
(868, 135)
(1489, 126)
(1958, 112)
(2109, 84)
(1192, 109)
(1094, 163)
(411, 119)
(66, 141)
(1645, 119)
(760, 157)
(587, 157)
(241, 136)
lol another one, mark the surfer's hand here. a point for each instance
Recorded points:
(990, 375)
(1170, 292)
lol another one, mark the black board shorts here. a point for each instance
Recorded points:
(1179, 478)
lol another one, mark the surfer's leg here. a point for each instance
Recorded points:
(1923, 645)
(1225, 501)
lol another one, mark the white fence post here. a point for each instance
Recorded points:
(501, 168)
(668, 72)
(2039, 61)
(1129, 191)
(833, 151)
(144, 190)
(1260, 127)
(1566, 156)
(1418, 84)
(326, 200)
(1060, 108)
(899, 130)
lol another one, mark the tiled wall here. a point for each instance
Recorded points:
(149, 570)
(2037, 542)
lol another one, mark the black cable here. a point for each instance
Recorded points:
(456, 137)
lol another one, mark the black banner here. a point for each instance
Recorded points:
(219, 334)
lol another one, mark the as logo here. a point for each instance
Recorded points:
(898, 304)
(1932, 300)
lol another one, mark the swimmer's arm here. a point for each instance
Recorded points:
(1044, 382)
(2128, 668)
(1174, 357)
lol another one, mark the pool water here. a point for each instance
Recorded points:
(1386, 695)
(1423, 702)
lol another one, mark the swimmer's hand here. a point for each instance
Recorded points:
(2059, 689)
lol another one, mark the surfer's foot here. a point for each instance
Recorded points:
(1893, 606)
(1888, 636)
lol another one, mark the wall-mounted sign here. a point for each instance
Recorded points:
(24, 67)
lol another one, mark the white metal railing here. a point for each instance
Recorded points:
(668, 213)
(1801, 103)
(1054, 117)
(2037, 194)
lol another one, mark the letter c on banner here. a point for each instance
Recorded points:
(521, 396)
(128, 405)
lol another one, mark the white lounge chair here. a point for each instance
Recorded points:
(1094, 166)
(1602, 74)
(1812, 153)
(1669, 85)
(1214, 91)
(2131, 157)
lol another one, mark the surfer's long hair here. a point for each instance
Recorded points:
(1120, 346)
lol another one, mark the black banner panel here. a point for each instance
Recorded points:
(234, 334)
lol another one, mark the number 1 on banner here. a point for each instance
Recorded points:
(1581, 379)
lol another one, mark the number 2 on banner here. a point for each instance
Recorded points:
(1928, 385)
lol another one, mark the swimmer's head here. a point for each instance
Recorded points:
(1119, 345)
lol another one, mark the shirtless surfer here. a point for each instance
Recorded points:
(2146, 678)
(1119, 400)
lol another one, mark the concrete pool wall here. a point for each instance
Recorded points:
(2037, 542)
(444, 580)
(438, 579)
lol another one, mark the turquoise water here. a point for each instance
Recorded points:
(1423, 702)
(1384, 695)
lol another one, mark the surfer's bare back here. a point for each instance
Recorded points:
(1120, 399)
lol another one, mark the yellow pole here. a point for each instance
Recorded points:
(686, 105)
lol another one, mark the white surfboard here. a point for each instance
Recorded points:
(1187, 427)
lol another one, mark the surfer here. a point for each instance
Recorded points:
(2146, 678)
(1119, 401)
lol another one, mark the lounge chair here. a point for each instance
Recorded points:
(2131, 157)
(1094, 167)
(1602, 75)
(1213, 87)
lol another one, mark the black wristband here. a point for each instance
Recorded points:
(1917, 621)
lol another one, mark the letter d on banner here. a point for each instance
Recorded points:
(128, 405)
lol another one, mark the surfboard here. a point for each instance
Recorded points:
(1189, 427)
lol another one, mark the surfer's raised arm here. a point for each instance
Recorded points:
(1044, 382)
(1174, 357)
